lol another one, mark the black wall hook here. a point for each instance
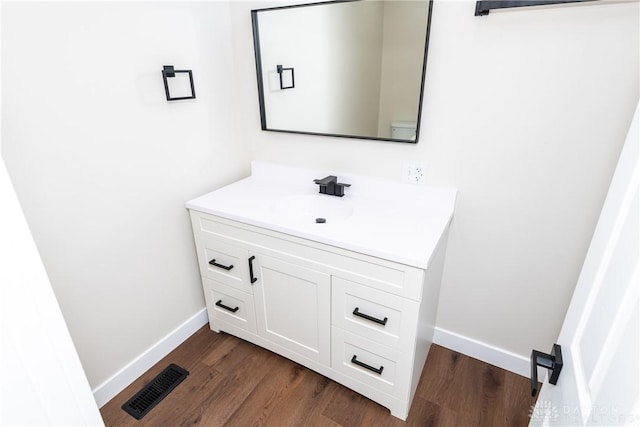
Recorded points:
(168, 72)
(552, 361)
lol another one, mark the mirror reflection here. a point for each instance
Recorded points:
(352, 69)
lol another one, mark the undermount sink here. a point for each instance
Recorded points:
(312, 207)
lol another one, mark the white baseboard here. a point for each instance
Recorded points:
(484, 352)
(125, 376)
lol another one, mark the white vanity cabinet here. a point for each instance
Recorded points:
(363, 321)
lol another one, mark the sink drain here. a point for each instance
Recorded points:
(320, 220)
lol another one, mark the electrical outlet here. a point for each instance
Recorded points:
(413, 173)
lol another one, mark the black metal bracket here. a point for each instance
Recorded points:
(169, 72)
(281, 71)
(483, 7)
(552, 361)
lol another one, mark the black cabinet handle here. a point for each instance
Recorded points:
(382, 322)
(364, 365)
(221, 305)
(224, 267)
(253, 279)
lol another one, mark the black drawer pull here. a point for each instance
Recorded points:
(221, 305)
(253, 279)
(364, 365)
(224, 267)
(382, 322)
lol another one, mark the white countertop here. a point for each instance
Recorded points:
(394, 221)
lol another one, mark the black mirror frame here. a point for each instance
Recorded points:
(258, 61)
(483, 7)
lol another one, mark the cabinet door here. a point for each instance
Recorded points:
(293, 307)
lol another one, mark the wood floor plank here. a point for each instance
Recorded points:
(235, 383)
(439, 373)
(428, 414)
(304, 401)
(242, 378)
(374, 414)
(347, 408)
(224, 345)
(261, 403)
(517, 402)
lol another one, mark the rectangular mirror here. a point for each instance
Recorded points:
(352, 69)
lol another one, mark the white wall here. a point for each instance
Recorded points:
(525, 113)
(36, 349)
(102, 163)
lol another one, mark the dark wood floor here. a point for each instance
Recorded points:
(235, 383)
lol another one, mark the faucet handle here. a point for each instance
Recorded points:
(338, 190)
(327, 180)
(327, 184)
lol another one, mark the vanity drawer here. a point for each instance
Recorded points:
(379, 316)
(375, 365)
(229, 305)
(224, 262)
(398, 279)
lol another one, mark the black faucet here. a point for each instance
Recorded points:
(330, 185)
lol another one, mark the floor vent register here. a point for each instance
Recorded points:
(151, 394)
